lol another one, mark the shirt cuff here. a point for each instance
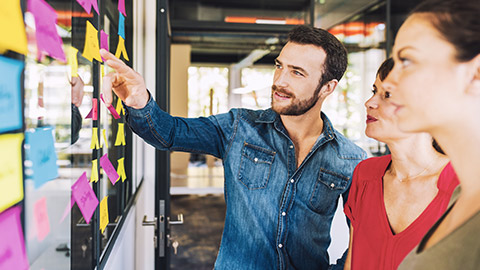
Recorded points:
(141, 112)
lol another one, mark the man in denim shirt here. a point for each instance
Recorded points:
(285, 167)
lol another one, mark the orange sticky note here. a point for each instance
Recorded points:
(104, 214)
(105, 141)
(121, 169)
(94, 144)
(91, 49)
(73, 61)
(41, 219)
(119, 108)
(121, 50)
(120, 135)
(94, 174)
(12, 28)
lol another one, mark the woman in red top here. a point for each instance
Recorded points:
(394, 199)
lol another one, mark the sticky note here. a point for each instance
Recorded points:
(121, 7)
(73, 61)
(120, 135)
(41, 152)
(10, 94)
(94, 174)
(67, 209)
(93, 114)
(12, 28)
(104, 213)
(87, 5)
(121, 50)
(48, 40)
(105, 141)
(121, 25)
(12, 246)
(84, 196)
(103, 41)
(121, 169)
(111, 109)
(11, 172)
(119, 107)
(109, 169)
(91, 49)
(94, 144)
(41, 218)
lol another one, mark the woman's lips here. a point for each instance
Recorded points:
(371, 119)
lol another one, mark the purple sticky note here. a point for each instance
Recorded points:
(12, 246)
(84, 196)
(109, 169)
(67, 209)
(111, 109)
(48, 40)
(41, 218)
(103, 41)
(121, 7)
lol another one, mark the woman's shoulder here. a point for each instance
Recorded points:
(373, 168)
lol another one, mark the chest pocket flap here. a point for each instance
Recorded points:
(255, 166)
(328, 187)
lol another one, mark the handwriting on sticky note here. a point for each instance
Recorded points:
(120, 140)
(104, 213)
(42, 153)
(84, 196)
(94, 144)
(12, 28)
(94, 174)
(48, 40)
(11, 172)
(12, 246)
(109, 169)
(121, 169)
(121, 50)
(41, 218)
(91, 49)
(10, 94)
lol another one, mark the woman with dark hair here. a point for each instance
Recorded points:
(435, 86)
(394, 199)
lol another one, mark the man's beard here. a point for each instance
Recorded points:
(298, 107)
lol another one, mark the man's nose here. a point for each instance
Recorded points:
(280, 79)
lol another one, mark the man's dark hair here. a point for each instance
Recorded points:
(336, 60)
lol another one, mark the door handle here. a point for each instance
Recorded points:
(179, 220)
(146, 222)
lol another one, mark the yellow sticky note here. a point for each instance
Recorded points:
(121, 169)
(105, 138)
(94, 144)
(104, 214)
(12, 28)
(119, 108)
(121, 50)
(91, 50)
(102, 71)
(94, 174)
(11, 184)
(120, 135)
(73, 61)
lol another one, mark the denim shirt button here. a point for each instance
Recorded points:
(332, 185)
(280, 245)
(291, 146)
(284, 214)
(255, 159)
(292, 181)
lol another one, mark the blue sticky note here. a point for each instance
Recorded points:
(40, 151)
(121, 25)
(10, 94)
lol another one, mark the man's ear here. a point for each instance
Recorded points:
(328, 88)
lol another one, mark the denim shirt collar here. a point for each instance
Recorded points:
(270, 116)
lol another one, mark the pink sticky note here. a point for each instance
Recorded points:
(48, 40)
(111, 109)
(121, 7)
(109, 169)
(67, 209)
(95, 5)
(84, 197)
(94, 111)
(12, 246)
(86, 4)
(89, 115)
(103, 41)
(41, 218)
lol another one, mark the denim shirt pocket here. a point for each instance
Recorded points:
(327, 188)
(255, 166)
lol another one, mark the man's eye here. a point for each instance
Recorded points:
(278, 66)
(297, 73)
